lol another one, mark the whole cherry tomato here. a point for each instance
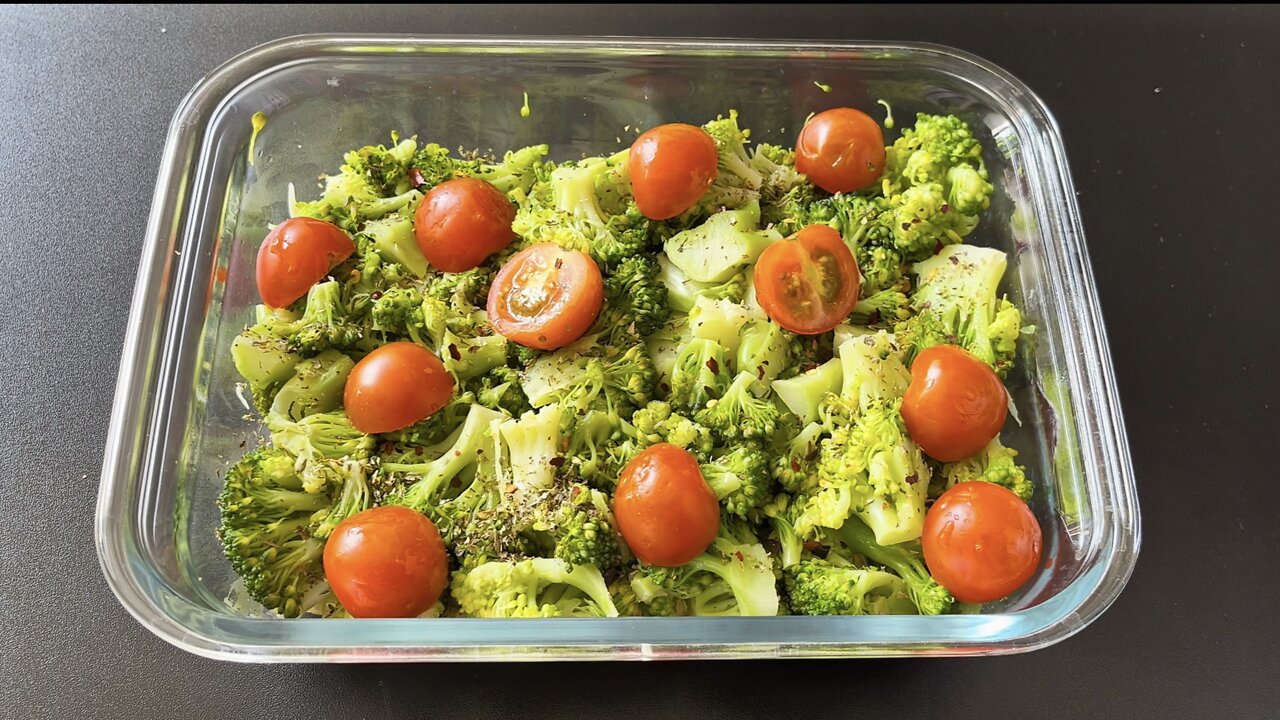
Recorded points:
(395, 386)
(665, 510)
(386, 562)
(297, 254)
(955, 404)
(461, 222)
(981, 542)
(671, 167)
(841, 150)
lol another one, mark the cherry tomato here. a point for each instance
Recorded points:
(461, 222)
(841, 150)
(297, 254)
(955, 404)
(671, 167)
(665, 510)
(545, 297)
(809, 282)
(386, 562)
(395, 386)
(981, 542)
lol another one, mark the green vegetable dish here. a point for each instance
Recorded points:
(700, 376)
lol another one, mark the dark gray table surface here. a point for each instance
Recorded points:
(1170, 119)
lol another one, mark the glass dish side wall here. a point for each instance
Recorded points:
(583, 101)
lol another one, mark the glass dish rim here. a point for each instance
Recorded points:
(1051, 621)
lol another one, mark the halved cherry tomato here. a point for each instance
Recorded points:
(671, 167)
(955, 404)
(981, 542)
(665, 510)
(841, 150)
(386, 562)
(461, 222)
(297, 254)
(545, 297)
(395, 386)
(809, 282)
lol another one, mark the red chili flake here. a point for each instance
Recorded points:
(915, 221)
(713, 366)
(795, 465)
(557, 461)
(575, 492)
(375, 294)
(954, 260)
(415, 177)
(388, 447)
(454, 352)
(664, 387)
(906, 226)
(912, 479)
(874, 317)
(417, 451)
(559, 263)
(738, 554)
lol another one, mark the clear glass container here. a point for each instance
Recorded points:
(178, 422)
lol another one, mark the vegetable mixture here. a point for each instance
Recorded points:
(697, 377)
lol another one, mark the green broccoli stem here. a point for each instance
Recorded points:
(930, 597)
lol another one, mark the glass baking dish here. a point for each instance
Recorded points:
(178, 422)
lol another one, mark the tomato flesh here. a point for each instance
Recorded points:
(981, 542)
(841, 150)
(386, 562)
(665, 510)
(395, 386)
(808, 283)
(955, 404)
(462, 222)
(545, 296)
(297, 254)
(671, 167)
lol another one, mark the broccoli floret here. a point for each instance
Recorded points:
(777, 168)
(516, 172)
(683, 293)
(744, 411)
(499, 389)
(956, 304)
(535, 587)
(324, 323)
(316, 386)
(348, 483)
(701, 373)
(881, 267)
(470, 286)
(456, 333)
(721, 321)
(873, 369)
(995, 464)
(624, 598)
(721, 247)
(566, 210)
(472, 445)
(937, 183)
(740, 478)
(532, 446)
(803, 394)
(577, 523)
(266, 530)
(593, 436)
(764, 349)
(265, 361)
(738, 181)
(373, 181)
(635, 302)
(664, 345)
(658, 423)
(321, 435)
(412, 443)
(886, 307)
(929, 597)
(796, 466)
(393, 239)
(870, 469)
(780, 511)
(431, 165)
(733, 577)
(821, 587)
